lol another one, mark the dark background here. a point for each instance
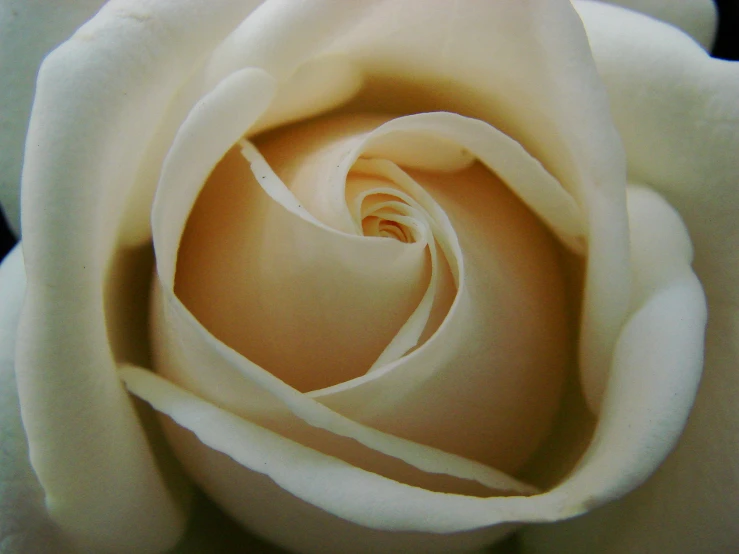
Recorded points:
(727, 46)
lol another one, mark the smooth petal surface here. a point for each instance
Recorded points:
(419, 59)
(697, 18)
(127, 63)
(145, 66)
(223, 294)
(29, 29)
(677, 112)
(24, 525)
(657, 361)
(409, 57)
(597, 479)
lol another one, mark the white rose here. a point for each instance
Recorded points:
(449, 409)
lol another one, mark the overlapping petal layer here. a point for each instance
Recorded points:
(28, 31)
(94, 177)
(78, 170)
(24, 525)
(232, 283)
(676, 110)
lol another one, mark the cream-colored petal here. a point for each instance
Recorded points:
(328, 202)
(698, 18)
(397, 397)
(410, 58)
(238, 382)
(214, 124)
(656, 229)
(501, 344)
(306, 85)
(98, 101)
(420, 59)
(368, 505)
(523, 174)
(267, 318)
(690, 503)
(28, 31)
(656, 370)
(183, 348)
(586, 160)
(681, 132)
(25, 525)
(286, 39)
(676, 110)
(657, 362)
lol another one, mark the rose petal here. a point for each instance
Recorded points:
(248, 320)
(193, 154)
(357, 288)
(410, 57)
(681, 135)
(698, 18)
(79, 167)
(28, 31)
(24, 525)
(396, 397)
(608, 225)
(657, 362)
(86, 155)
(284, 38)
(657, 367)
(669, 310)
(690, 503)
(357, 496)
(676, 110)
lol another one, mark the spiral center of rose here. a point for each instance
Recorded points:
(344, 251)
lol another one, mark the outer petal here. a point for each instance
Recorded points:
(99, 99)
(590, 167)
(24, 526)
(698, 18)
(29, 29)
(417, 58)
(678, 114)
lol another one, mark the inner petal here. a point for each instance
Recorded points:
(313, 307)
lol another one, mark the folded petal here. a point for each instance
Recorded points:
(83, 169)
(28, 31)
(677, 112)
(656, 299)
(418, 59)
(99, 100)
(24, 524)
(690, 503)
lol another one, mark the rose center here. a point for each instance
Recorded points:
(344, 269)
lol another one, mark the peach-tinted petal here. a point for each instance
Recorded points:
(98, 101)
(357, 496)
(419, 59)
(431, 57)
(223, 294)
(648, 398)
